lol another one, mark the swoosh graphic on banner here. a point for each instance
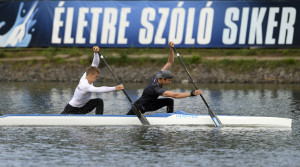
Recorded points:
(18, 35)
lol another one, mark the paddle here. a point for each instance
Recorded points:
(138, 113)
(211, 114)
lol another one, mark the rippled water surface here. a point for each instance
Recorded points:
(153, 145)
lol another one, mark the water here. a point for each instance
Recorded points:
(153, 145)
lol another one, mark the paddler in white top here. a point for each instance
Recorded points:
(81, 102)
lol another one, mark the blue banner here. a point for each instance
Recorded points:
(198, 24)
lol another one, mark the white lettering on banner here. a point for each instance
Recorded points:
(243, 28)
(68, 28)
(146, 34)
(205, 24)
(161, 26)
(123, 24)
(256, 25)
(108, 33)
(80, 25)
(109, 26)
(256, 32)
(57, 23)
(94, 27)
(272, 23)
(288, 20)
(229, 34)
(177, 24)
(189, 27)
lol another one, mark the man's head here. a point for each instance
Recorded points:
(165, 77)
(92, 74)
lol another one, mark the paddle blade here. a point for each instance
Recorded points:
(214, 118)
(139, 114)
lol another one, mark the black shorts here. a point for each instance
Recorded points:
(88, 107)
(154, 105)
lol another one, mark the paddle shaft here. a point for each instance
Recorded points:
(212, 115)
(139, 114)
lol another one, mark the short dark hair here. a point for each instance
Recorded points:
(92, 70)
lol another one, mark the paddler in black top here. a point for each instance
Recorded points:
(149, 100)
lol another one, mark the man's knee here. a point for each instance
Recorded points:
(99, 101)
(170, 101)
(99, 106)
(136, 107)
(170, 105)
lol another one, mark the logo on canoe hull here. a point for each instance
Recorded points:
(186, 116)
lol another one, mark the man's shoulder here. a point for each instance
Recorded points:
(83, 84)
(152, 84)
(153, 81)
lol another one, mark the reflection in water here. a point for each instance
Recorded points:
(166, 144)
(150, 145)
(296, 101)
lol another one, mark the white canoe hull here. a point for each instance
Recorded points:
(156, 119)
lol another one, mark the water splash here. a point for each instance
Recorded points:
(19, 35)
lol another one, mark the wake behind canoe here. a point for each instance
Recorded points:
(177, 118)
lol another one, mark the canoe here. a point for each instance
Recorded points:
(176, 118)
